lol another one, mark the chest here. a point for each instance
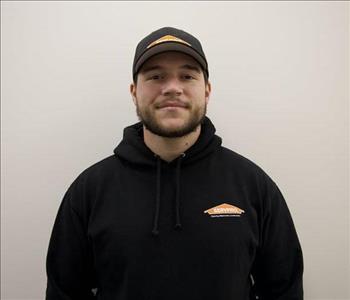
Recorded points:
(218, 220)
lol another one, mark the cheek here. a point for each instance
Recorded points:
(198, 94)
(146, 95)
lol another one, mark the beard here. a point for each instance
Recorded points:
(149, 120)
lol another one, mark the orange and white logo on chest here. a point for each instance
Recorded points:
(224, 210)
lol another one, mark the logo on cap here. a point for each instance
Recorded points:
(168, 38)
(224, 210)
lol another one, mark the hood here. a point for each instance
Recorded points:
(134, 150)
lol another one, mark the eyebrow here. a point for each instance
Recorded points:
(158, 67)
(191, 67)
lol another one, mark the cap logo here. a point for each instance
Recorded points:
(224, 210)
(168, 38)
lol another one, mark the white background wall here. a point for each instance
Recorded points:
(280, 76)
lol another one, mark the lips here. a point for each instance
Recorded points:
(172, 104)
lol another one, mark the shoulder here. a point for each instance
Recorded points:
(245, 170)
(103, 167)
(242, 163)
(96, 173)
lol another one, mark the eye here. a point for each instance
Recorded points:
(155, 77)
(188, 77)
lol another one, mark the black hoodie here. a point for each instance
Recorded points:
(203, 226)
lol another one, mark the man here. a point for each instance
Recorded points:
(173, 214)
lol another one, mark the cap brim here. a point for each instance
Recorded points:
(166, 47)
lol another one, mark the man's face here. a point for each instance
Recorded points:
(171, 95)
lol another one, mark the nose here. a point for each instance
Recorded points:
(172, 87)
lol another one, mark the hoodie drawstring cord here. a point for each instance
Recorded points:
(178, 221)
(155, 230)
(178, 225)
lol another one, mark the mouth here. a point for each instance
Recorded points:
(172, 110)
(172, 105)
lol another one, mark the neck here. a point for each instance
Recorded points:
(169, 148)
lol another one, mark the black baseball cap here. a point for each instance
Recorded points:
(168, 39)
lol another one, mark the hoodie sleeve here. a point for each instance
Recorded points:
(278, 267)
(69, 264)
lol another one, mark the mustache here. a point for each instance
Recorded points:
(172, 102)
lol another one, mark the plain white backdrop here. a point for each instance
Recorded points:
(280, 79)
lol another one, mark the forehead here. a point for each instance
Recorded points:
(170, 59)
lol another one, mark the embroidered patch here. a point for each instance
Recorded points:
(224, 210)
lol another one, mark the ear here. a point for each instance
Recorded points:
(207, 92)
(133, 92)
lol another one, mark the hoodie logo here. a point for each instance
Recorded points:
(224, 210)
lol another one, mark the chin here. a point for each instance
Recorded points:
(172, 121)
(170, 125)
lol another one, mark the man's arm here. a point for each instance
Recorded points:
(69, 264)
(278, 268)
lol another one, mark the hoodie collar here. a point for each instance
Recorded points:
(133, 149)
